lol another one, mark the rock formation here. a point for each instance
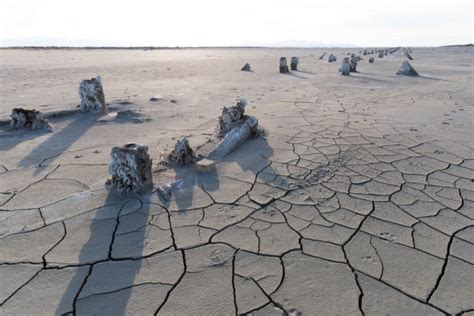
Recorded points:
(345, 67)
(332, 58)
(353, 64)
(29, 119)
(92, 96)
(371, 60)
(365, 52)
(246, 67)
(322, 56)
(294, 63)
(182, 153)
(407, 70)
(407, 54)
(130, 169)
(237, 136)
(231, 117)
(381, 54)
(283, 65)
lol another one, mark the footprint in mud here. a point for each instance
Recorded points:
(387, 236)
(123, 102)
(367, 258)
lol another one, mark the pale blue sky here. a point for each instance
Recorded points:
(235, 23)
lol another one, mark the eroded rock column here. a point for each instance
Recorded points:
(294, 63)
(353, 64)
(130, 169)
(283, 66)
(92, 96)
(345, 69)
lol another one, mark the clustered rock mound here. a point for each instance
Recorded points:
(234, 129)
(236, 137)
(130, 169)
(29, 119)
(92, 96)
(182, 154)
(231, 117)
(332, 58)
(371, 60)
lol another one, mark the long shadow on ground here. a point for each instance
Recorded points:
(59, 141)
(100, 243)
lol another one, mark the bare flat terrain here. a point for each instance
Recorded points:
(359, 199)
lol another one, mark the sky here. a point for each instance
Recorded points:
(236, 22)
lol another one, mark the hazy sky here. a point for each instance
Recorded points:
(229, 23)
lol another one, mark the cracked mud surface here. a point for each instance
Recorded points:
(359, 200)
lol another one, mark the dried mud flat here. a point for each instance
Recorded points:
(358, 200)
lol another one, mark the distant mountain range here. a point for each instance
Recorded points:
(459, 45)
(54, 42)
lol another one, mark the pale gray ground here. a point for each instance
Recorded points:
(359, 200)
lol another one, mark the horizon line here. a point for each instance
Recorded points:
(200, 47)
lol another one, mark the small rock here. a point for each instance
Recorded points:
(246, 67)
(205, 165)
(407, 70)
